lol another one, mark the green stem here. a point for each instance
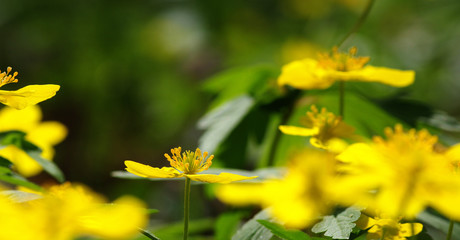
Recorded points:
(383, 234)
(412, 227)
(341, 98)
(359, 22)
(451, 228)
(186, 206)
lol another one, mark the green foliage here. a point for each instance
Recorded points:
(227, 224)
(439, 223)
(283, 233)
(252, 229)
(18, 139)
(340, 226)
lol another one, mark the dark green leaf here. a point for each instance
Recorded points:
(5, 162)
(148, 234)
(47, 165)
(340, 226)
(283, 233)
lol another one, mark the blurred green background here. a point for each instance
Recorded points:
(131, 72)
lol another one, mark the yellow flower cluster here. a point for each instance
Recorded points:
(43, 134)
(67, 211)
(389, 228)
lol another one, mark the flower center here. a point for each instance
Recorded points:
(325, 121)
(6, 77)
(341, 61)
(189, 162)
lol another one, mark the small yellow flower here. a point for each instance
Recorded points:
(391, 228)
(43, 134)
(186, 164)
(26, 96)
(67, 211)
(298, 199)
(321, 73)
(405, 172)
(324, 128)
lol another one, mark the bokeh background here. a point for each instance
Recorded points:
(131, 72)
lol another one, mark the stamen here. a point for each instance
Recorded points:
(6, 77)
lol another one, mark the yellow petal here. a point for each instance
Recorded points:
(23, 163)
(392, 77)
(405, 229)
(21, 120)
(453, 153)
(304, 74)
(298, 131)
(28, 95)
(365, 222)
(359, 153)
(50, 133)
(241, 194)
(110, 220)
(221, 178)
(151, 172)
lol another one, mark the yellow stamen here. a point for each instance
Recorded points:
(189, 162)
(6, 77)
(340, 61)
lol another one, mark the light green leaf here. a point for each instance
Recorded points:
(340, 226)
(47, 165)
(221, 121)
(283, 233)
(253, 229)
(9, 176)
(439, 223)
(148, 234)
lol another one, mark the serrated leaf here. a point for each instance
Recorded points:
(253, 229)
(283, 233)
(221, 121)
(340, 226)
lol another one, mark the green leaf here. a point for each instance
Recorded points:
(148, 234)
(219, 123)
(340, 226)
(439, 223)
(283, 233)
(5, 162)
(227, 224)
(47, 165)
(152, 211)
(6, 175)
(253, 229)
(175, 230)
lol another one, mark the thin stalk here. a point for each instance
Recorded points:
(186, 206)
(383, 234)
(412, 227)
(451, 228)
(360, 22)
(341, 99)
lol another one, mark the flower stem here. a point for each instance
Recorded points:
(383, 234)
(412, 227)
(186, 206)
(341, 98)
(451, 228)
(360, 22)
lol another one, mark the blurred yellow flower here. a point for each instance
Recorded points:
(68, 211)
(26, 96)
(187, 164)
(321, 73)
(405, 172)
(324, 128)
(390, 228)
(299, 198)
(43, 134)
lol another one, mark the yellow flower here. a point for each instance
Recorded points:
(405, 172)
(299, 198)
(325, 129)
(392, 229)
(43, 134)
(26, 96)
(321, 73)
(187, 164)
(67, 211)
